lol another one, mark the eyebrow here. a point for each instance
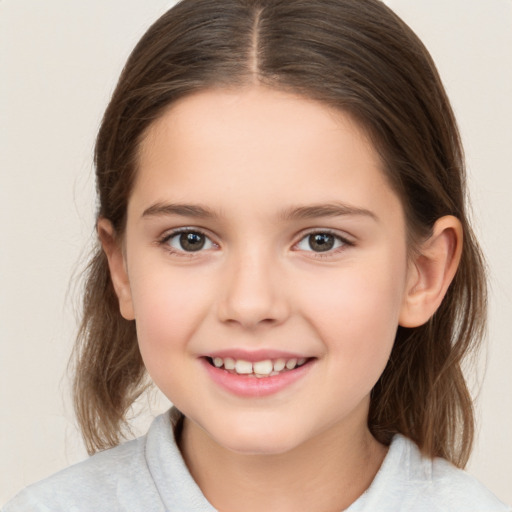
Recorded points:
(184, 210)
(292, 213)
(326, 210)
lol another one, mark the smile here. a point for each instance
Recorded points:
(262, 376)
(259, 369)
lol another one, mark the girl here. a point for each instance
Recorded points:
(285, 252)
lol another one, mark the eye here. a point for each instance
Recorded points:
(321, 242)
(188, 241)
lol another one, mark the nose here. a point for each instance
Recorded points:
(253, 293)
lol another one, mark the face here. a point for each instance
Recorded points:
(261, 234)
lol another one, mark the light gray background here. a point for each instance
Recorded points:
(59, 61)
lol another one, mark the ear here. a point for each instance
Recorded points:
(117, 266)
(431, 272)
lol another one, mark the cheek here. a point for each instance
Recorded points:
(168, 308)
(356, 311)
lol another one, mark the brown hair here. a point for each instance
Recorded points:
(359, 57)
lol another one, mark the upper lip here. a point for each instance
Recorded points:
(255, 355)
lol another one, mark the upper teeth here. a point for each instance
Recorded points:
(258, 368)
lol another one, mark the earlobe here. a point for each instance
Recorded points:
(432, 270)
(117, 266)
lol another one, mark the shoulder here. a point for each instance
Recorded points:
(115, 479)
(437, 485)
(454, 489)
(409, 481)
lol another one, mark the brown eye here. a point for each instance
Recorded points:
(188, 241)
(192, 241)
(321, 242)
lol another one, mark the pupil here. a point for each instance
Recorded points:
(192, 241)
(321, 242)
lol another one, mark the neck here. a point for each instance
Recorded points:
(326, 473)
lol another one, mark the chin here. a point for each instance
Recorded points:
(257, 438)
(259, 446)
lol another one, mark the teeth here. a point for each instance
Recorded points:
(229, 363)
(243, 367)
(279, 365)
(263, 368)
(291, 364)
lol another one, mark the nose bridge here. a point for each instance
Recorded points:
(253, 293)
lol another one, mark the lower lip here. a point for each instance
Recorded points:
(250, 386)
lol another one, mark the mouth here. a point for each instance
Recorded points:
(257, 373)
(258, 369)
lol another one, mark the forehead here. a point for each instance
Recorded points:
(249, 117)
(258, 143)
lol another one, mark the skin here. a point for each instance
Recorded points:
(251, 157)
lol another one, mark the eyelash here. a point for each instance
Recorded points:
(165, 239)
(344, 243)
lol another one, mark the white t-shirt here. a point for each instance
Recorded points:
(148, 474)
